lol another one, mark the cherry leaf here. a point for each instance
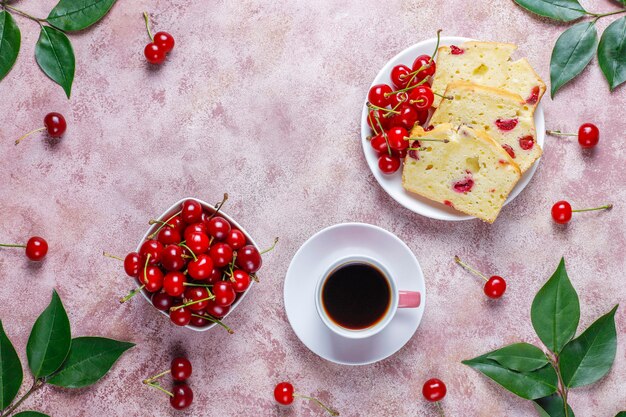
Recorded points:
(10, 40)
(612, 53)
(55, 57)
(11, 374)
(73, 15)
(563, 10)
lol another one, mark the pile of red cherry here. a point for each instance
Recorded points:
(194, 266)
(394, 112)
(181, 396)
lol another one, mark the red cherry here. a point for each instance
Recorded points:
(199, 320)
(180, 316)
(396, 136)
(154, 53)
(240, 280)
(55, 124)
(400, 154)
(434, 390)
(216, 310)
(526, 142)
(36, 248)
(132, 264)
(379, 144)
(495, 287)
(249, 259)
(164, 40)
(422, 97)
(408, 116)
(373, 123)
(197, 294)
(236, 239)
(152, 278)
(396, 100)
(221, 254)
(400, 76)
(198, 242)
(169, 236)
(388, 164)
(201, 268)
(177, 224)
(172, 258)
(173, 284)
(215, 276)
(162, 301)
(562, 212)
(199, 227)
(428, 65)
(152, 247)
(183, 396)
(283, 393)
(224, 293)
(379, 95)
(191, 211)
(218, 227)
(181, 369)
(588, 135)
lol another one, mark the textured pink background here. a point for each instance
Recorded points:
(263, 100)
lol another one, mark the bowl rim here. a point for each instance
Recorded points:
(166, 215)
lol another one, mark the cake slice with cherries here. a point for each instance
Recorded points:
(487, 63)
(460, 167)
(503, 115)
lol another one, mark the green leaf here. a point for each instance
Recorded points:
(73, 15)
(10, 40)
(555, 311)
(11, 374)
(563, 10)
(521, 357)
(89, 360)
(552, 406)
(589, 357)
(529, 385)
(612, 53)
(571, 54)
(55, 56)
(621, 414)
(50, 340)
(31, 414)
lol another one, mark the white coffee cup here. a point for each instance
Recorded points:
(398, 299)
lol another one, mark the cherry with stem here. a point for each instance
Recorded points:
(495, 286)
(562, 211)
(53, 122)
(135, 291)
(284, 394)
(36, 248)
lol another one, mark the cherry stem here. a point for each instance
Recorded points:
(219, 205)
(255, 278)
(11, 245)
(160, 388)
(271, 247)
(606, 207)
(214, 320)
(411, 80)
(132, 294)
(375, 107)
(318, 402)
(18, 11)
(154, 378)
(147, 19)
(152, 235)
(428, 140)
(443, 97)
(108, 255)
(190, 303)
(559, 133)
(384, 136)
(440, 408)
(469, 268)
(416, 149)
(192, 284)
(29, 133)
(369, 117)
(195, 258)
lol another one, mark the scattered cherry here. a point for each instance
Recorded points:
(284, 395)
(562, 211)
(181, 369)
(164, 40)
(154, 54)
(588, 135)
(162, 43)
(36, 248)
(434, 390)
(54, 123)
(495, 286)
(181, 396)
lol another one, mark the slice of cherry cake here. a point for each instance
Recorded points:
(471, 172)
(503, 115)
(487, 63)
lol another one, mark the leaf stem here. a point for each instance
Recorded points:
(20, 12)
(37, 383)
(599, 15)
(554, 361)
(147, 19)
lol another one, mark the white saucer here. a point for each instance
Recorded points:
(313, 259)
(392, 184)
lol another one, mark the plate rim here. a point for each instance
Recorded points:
(436, 212)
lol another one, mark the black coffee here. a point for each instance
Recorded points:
(356, 295)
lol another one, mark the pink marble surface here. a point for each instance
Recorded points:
(263, 100)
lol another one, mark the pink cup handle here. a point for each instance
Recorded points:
(409, 299)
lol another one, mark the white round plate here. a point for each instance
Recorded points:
(313, 259)
(392, 184)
